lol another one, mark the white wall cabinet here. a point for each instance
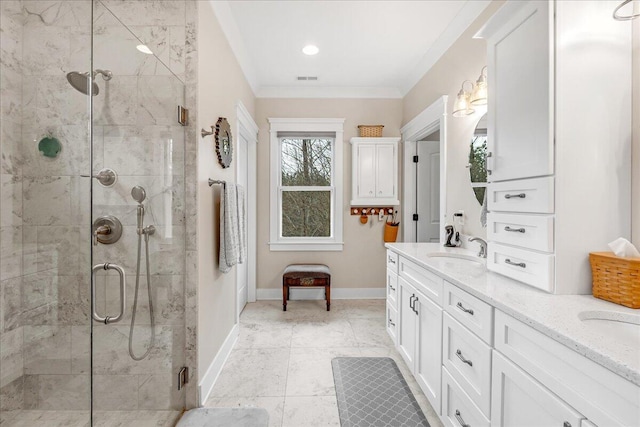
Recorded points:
(545, 139)
(374, 171)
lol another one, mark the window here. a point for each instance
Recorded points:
(306, 184)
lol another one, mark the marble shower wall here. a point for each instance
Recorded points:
(45, 203)
(11, 212)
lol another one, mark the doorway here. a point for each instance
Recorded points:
(427, 166)
(425, 140)
(246, 177)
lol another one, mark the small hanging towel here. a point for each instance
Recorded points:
(229, 243)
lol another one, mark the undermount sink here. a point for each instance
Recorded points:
(456, 256)
(621, 326)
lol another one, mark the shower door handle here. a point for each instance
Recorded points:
(123, 285)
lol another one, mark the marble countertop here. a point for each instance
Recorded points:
(556, 316)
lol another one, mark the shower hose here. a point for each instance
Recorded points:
(135, 299)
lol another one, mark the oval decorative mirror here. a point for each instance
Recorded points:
(478, 159)
(224, 142)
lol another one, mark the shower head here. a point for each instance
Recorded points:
(138, 194)
(80, 81)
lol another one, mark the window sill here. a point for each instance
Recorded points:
(309, 247)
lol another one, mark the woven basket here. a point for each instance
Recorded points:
(370, 130)
(616, 279)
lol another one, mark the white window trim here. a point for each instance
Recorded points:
(333, 243)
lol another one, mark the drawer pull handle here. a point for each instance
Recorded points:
(515, 264)
(415, 310)
(461, 357)
(391, 323)
(466, 310)
(566, 424)
(411, 301)
(515, 230)
(514, 196)
(460, 420)
(392, 261)
(392, 288)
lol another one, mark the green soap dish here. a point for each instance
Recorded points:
(49, 146)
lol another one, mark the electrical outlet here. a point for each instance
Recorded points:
(458, 217)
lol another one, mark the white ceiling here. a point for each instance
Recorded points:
(367, 48)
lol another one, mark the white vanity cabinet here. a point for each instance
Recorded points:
(565, 190)
(479, 366)
(420, 337)
(519, 400)
(374, 171)
(533, 372)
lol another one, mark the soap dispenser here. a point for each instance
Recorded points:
(449, 235)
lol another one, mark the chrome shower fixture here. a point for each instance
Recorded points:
(138, 194)
(80, 81)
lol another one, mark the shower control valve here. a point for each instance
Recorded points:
(106, 177)
(106, 230)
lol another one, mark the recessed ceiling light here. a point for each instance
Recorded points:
(310, 49)
(144, 49)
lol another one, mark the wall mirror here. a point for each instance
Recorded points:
(478, 159)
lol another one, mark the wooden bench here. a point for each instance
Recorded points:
(307, 276)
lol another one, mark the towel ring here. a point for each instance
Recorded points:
(619, 17)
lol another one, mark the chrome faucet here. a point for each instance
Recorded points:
(483, 246)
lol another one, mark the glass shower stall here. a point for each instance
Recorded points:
(92, 214)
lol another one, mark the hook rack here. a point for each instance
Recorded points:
(369, 210)
(204, 133)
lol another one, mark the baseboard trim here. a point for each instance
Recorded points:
(213, 372)
(318, 293)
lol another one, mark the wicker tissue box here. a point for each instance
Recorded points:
(616, 279)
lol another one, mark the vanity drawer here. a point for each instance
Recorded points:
(533, 268)
(522, 195)
(474, 314)
(392, 261)
(527, 231)
(603, 397)
(457, 408)
(468, 360)
(392, 323)
(425, 281)
(392, 289)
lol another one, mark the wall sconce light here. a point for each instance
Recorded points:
(479, 94)
(462, 106)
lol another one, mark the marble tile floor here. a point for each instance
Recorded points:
(282, 360)
(28, 418)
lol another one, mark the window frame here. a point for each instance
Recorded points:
(334, 241)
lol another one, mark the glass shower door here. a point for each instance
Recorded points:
(138, 277)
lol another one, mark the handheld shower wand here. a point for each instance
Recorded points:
(139, 195)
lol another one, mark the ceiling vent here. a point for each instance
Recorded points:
(307, 78)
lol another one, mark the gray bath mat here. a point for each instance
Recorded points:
(225, 417)
(372, 392)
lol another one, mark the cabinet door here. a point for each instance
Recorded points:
(521, 95)
(386, 170)
(428, 369)
(517, 400)
(366, 171)
(408, 323)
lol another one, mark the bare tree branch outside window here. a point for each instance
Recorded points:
(306, 186)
